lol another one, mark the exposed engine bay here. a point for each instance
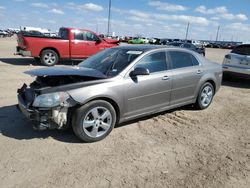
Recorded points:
(45, 101)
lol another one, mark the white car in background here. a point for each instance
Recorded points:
(238, 60)
(146, 40)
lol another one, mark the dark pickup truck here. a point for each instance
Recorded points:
(69, 44)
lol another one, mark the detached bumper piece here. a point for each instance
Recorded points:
(42, 118)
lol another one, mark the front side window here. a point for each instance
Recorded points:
(90, 36)
(182, 59)
(78, 35)
(155, 62)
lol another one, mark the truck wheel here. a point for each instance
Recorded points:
(49, 58)
(94, 121)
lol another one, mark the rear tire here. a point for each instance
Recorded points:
(49, 58)
(205, 96)
(94, 121)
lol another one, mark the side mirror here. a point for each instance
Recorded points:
(98, 41)
(139, 71)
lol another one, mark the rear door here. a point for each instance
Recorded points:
(187, 72)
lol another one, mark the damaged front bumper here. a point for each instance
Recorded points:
(42, 118)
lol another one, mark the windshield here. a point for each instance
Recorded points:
(111, 62)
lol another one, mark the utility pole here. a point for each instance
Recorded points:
(217, 33)
(187, 31)
(97, 29)
(109, 17)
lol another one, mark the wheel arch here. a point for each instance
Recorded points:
(206, 78)
(112, 102)
(212, 82)
(50, 48)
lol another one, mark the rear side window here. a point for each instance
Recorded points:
(242, 50)
(63, 33)
(155, 62)
(182, 59)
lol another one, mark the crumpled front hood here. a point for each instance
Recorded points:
(67, 71)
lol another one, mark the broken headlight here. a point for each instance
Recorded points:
(51, 100)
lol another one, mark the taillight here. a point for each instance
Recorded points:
(227, 56)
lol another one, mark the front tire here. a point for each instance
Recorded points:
(205, 96)
(94, 121)
(49, 58)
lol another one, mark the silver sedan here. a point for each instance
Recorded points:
(117, 85)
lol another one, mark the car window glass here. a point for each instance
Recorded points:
(155, 62)
(195, 61)
(242, 50)
(63, 33)
(192, 46)
(78, 35)
(111, 62)
(180, 59)
(90, 36)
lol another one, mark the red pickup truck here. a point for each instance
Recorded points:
(69, 44)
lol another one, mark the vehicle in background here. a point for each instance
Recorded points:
(145, 40)
(3, 33)
(194, 42)
(117, 85)
(213, 45)
(237, 61)
(176, 44)
(136, 40)
(165, 41)
(198, 49)
(73, 44)
(156, 41)
(177, 40)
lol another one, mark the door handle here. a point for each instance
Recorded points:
(165, 78)
(199, 71)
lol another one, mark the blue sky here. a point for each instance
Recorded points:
(150, 18)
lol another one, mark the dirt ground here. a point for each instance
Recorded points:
(178, 148)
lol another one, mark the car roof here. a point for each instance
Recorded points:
(143, 47)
